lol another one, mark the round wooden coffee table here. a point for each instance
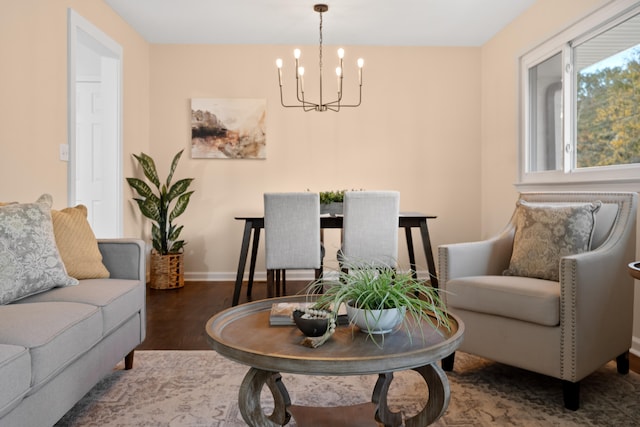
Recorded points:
(243, 334)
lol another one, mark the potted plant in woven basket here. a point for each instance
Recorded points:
(162, 206)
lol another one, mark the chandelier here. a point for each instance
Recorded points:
(306, 105)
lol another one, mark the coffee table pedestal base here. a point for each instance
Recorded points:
(362, 415)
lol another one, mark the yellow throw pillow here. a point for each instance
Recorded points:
(77, 244)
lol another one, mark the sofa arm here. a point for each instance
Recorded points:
(485, 257)
(124, 258)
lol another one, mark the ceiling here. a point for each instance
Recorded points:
(348, 22)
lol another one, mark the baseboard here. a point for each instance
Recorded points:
(635, 346)
(262, 276)
(231, 277)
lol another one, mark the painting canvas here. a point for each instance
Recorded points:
(228, 128)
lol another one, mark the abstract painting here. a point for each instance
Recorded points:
(228, 128)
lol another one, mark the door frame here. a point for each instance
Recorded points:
(77, 23)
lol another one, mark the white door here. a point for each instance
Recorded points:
(95, 143)
(89, 147)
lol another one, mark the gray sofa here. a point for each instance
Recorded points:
(56, 345)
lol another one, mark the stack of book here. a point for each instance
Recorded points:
(281, 312)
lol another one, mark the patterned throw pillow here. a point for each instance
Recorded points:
(29, 258)
(77, 244)
(546, 233)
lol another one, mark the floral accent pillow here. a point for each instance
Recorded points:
(29, 258)
(546, 233)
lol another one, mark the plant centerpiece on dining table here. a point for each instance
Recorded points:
(162, 206)
(331, 202)
(379, 299)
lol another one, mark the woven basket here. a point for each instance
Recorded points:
(166, 271)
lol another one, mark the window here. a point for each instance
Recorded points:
(581, 101)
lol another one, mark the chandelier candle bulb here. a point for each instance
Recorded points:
(301, 73)
(279, 65)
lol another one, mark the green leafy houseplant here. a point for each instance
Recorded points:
(327, 197)
(377, 287)
(157, 205)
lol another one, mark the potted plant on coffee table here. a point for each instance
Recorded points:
(379, 298)
(162, 206)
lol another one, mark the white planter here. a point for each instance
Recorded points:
(376, 321)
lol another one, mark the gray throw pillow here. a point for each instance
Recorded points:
(545, 233)
(29, 258)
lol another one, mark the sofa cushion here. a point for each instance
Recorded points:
(545, 233)
(29, 258)
(77, 244)
(15, 371)
(522, 298)
(118, 299)
(55, 333)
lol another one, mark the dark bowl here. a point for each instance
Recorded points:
(310, 327)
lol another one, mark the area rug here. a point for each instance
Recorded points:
(200, 389)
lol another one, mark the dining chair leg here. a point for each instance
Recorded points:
(270, 283)
(284, 282)
(278, 279)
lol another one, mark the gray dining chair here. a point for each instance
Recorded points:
(292, 237)
(370, 229)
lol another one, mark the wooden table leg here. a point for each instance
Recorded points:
(435, 407)
(428, 251)
(244, 249)
(439, 395)
(252, 262)
(383, 413)
(412, 255)
(249, 399)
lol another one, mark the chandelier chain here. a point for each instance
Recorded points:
(320, 44)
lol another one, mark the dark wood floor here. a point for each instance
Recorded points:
(176, 317)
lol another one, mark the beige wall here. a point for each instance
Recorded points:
(33, 105)
(417, 131)
(500, 100)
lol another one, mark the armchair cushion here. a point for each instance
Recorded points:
(545, 233)
(522, 298)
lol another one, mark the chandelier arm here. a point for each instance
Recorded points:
(307, 106)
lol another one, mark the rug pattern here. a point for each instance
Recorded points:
(200, 389)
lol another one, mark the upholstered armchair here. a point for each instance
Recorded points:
(550, 293)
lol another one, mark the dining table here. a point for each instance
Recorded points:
(253, 224)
